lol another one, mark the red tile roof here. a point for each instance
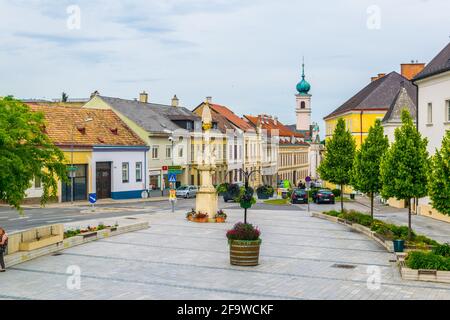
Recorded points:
(268, 123)
(231, 116)
(106, 128)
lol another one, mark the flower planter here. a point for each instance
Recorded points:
(263, 196)
(220, 219)
(244, 252)
(190, 218)
(201, 220)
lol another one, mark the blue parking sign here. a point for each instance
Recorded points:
(92, 198)
(172, 177)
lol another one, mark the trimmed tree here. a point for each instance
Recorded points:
(366, 165)
(26, 153)
(439, 181)
(404, 167)
(337, 163)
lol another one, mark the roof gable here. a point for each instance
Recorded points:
(152, 117)
(401, 101)
(377, 95)
(439, 64)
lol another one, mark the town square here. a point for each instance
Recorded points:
(223, 150)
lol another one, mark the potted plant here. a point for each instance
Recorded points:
(264, 192)
(190, 215)
(200, 217)
(232, 192)
(244, 240)
(220, 216)
(222, 188)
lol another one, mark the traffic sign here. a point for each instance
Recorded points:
(176, 171)
(72, 168)
(172, 177)
(165, 168)
(92, 198)
(170, 168)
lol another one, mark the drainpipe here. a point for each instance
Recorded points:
(360, 126)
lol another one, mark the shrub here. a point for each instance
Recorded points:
(265, 190)
(427, 260)
(234, 190)
(442, 250)
(243, 231)
(333, 213)
(336, 192)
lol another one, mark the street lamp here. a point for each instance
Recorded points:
(72, 171)
(247, 175)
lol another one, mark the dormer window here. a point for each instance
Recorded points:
(101, 140)
(114, 131)
(81, 129)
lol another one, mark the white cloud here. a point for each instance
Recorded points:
(246, 54)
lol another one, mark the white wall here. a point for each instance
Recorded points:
(436, 90)
(117, 158)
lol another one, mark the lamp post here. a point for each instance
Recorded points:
(72, 171)
(247, 175)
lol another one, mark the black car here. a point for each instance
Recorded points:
(299, 196)
(323, 196)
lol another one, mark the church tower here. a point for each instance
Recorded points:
(303, 103)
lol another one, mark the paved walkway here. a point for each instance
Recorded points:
(302, 258)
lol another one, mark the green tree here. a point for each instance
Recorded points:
(366, 165)
(337, 163)
(404, 167)
(26, 153)
(439, 180)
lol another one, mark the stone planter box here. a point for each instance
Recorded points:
(22, 256)
(40, 243)
(387, 244)
(424, 275)
(244, 253)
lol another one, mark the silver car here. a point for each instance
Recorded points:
(186, 191)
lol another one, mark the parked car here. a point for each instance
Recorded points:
(299, 196)
(186, 191)
(323, 196)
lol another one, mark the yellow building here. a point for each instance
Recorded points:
(371, 103)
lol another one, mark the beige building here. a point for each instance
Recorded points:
(292, 152)
(167, 130)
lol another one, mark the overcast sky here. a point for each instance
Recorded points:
(245, 54)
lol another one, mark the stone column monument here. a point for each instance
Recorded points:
(206, 201)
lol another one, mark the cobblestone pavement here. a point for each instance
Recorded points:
(177, 259)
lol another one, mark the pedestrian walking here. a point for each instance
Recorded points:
(3, 246)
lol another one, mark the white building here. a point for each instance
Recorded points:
(434, 112)
(434, 99)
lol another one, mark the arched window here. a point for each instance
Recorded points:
(303, 105)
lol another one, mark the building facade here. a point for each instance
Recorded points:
(166, 129)
(434, 112)
(104, 156)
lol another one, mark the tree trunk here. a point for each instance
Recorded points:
(371, 204)
(409, 219)
(342, 198)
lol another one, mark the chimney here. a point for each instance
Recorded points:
(410, 70)
(275, 120)
(209, 99)
(95, 93)
(175, 101)
(143, 97)
(380, 75)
